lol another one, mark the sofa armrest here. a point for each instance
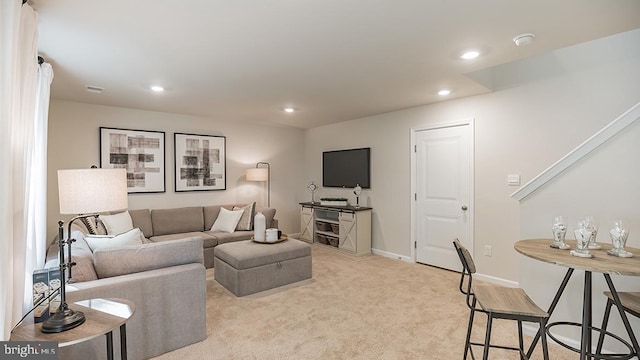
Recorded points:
(170, 308)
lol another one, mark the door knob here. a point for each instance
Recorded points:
(464, 207)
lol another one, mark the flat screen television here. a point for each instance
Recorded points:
(347, 168)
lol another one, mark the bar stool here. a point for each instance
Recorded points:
(498, 302)
(630, 302)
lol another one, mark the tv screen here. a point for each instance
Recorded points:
(346, 168)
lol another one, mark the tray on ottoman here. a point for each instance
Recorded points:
(247, 267)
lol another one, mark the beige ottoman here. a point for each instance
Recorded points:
(247, 267)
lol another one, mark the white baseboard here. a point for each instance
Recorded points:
(495, 280)
(390, 255)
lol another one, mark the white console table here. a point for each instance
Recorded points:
(347, 228)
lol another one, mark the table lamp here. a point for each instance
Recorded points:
(86, 192)
(261, 174)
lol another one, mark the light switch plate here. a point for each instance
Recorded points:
(513, 179)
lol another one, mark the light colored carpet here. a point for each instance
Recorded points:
(354, 308)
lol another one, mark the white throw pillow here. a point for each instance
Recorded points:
(227, 220)
(118, 223)
(131, 237)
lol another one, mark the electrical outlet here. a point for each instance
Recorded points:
(487, 250)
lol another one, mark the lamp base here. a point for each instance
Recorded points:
(64, 319)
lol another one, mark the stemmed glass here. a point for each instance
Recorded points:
(591, 223)
(619, 234)
(583, 233)
(559, 228)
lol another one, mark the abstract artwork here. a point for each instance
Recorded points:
(140, 152)
(200, 162)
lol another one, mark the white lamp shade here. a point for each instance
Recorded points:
(87, 191)
(257, 174)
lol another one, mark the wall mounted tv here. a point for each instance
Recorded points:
(346, 168)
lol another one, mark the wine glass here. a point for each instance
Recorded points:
(559, 228)
(619, 234)
(592, 225)
(583, 232)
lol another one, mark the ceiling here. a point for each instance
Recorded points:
(331, 60)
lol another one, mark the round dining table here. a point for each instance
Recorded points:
(600, 262)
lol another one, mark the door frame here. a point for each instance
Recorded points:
(414, 224)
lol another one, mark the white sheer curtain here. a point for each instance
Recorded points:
(24, 102)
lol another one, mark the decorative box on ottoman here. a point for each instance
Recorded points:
(247, 267)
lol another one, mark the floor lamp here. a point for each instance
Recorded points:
(86, 192)
(261, 174)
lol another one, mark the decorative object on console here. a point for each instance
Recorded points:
(334, 201)
(140, 152)
(559, 229)
(200, 162)
(88, 192)
(261, 174)
(619, 234)
(312, 187)
(357, 191)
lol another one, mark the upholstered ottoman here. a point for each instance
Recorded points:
(247, 267)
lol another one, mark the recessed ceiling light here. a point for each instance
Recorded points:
(289, 109)
(157, 88)
(444, 92)
(471, 54)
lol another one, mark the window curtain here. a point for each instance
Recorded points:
(24, 102)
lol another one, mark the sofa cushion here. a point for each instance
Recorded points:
(131, 237)
(117, 223)
(133, 259)
(269, 214)
(178, 220)
(230, 237)
(142, 220)
(81, 254)
(246, 221)
(208, 239)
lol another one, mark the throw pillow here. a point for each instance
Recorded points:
(131, 237)
(227, 220)
(246, 220)
(118, 223)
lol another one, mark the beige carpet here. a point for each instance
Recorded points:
(354, 308)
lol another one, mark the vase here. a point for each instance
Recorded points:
(259, 227)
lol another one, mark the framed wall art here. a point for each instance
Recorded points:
(200, 162)
(141, 152)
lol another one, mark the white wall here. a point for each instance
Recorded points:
(74, 143)
(605, 184)
(542, 108)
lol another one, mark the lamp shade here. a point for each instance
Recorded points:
(86, 191)
(257, 174)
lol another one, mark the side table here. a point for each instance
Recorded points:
(102, 317)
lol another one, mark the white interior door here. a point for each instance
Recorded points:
(443, 191)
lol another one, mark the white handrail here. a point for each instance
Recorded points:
(602, 136)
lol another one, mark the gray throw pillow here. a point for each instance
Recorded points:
(246, 221)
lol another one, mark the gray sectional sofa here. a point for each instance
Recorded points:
(159, 225)
(164, 277)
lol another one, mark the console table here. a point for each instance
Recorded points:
(102, 317)
(347, 228)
